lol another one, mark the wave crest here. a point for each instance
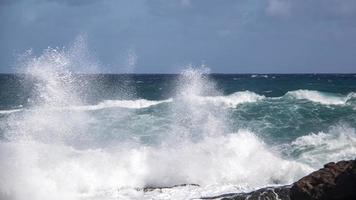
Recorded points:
(229, 101)
(320, 97)
(338, 143)
(240, 159)
(133, 104)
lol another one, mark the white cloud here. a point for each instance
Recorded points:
(278, 7)
(186, 3)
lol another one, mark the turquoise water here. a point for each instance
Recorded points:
(73, 136)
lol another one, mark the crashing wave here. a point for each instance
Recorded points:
(320, 97)
(339, 143)
(9, 111)
(240, 159)
(133, 104)
(231, 100)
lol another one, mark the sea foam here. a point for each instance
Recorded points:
(320, 97)
(56, 149)
(57, 171)
(339, 143)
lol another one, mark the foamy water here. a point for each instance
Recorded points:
(62, 147)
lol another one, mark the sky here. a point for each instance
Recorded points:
(165, 36)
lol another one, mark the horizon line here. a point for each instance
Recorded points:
(217, 73)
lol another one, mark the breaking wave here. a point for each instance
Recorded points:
(227, 101)
(339, 143)
(133, 104)
(55, 149)
(231, 100)
(55, 171)
(320, 97)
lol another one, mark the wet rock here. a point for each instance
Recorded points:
(336, 181)
(151, 188)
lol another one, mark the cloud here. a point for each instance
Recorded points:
(278, 7)
(8, 2)
(166, 34)
(73, 3)
(312, 10)
(186, 2)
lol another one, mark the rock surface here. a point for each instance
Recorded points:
(336, 181)
(151, 188)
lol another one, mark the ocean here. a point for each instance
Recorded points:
(65, 135)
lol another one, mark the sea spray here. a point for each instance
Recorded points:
(62, 158)
(339, 143)
(61, 147)
(54, 87)
(193, 119)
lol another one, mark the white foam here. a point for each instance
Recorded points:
(44, 158)
(133, 104)
(319, 97)
(9, 111)
(240, 161)
(339, 143)
(259, 76)
(231, 100)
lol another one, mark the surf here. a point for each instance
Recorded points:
(59, 146)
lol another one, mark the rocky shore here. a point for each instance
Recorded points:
(335, 181)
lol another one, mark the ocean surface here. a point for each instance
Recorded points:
(71, 136)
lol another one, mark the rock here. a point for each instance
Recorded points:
(267, 193)
(151, 188)
(336, 181)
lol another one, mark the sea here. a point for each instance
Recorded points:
(76, 136)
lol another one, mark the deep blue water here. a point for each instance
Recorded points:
(16, 89)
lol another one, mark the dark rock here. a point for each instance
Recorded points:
(336, 181)
(151, 188)
(268, 193)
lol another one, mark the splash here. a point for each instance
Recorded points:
(339, 143)
(63, 148)
(192, 118)
(232, 100)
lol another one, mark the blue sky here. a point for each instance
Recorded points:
(229, 36)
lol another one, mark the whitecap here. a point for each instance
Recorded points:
(9, 111)
(229, 101)
(225, 163)
(319, 97)
(132, 104)
(316, 149)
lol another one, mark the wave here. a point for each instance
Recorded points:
(57, 171)
(230, 101)
(259, 76)
(321, 97)
(241, 97)
(9, 111)
(339, 143)
(133, 104)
